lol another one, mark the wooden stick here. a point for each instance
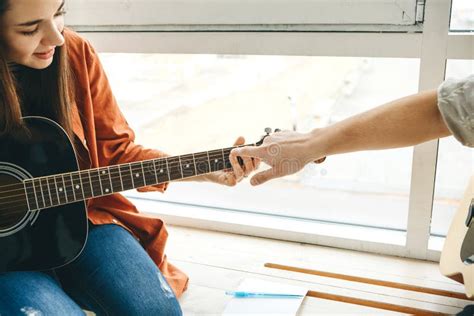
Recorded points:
(396, 285)
(374, 304)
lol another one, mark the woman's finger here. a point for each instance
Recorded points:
(236, 167)
(240, 141)
(227, 178)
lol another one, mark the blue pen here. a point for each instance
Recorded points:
(242, 294)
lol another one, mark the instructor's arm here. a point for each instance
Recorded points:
(403, 122)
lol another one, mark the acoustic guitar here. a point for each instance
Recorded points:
(457, 258)
(43, 216)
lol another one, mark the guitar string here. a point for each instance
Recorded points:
(20, 208)
(158, 160)
(96, 181)
(218, 153)
(172, 161)
(95, 186)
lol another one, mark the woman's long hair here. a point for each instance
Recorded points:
(51, 89)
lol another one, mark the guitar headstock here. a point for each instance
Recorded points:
(268, 131)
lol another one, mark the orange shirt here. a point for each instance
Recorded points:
(104, 138)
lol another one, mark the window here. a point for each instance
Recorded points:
(235, 14)
(462, 15)
(189, 103)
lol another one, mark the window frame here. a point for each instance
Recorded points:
(433, 46)
(238, 12)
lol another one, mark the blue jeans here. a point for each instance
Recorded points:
(112, 276)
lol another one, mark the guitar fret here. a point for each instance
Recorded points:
(60, 190)
(131, 175)
(216, 163)
(90, 183)
(49, 192)
(161, 170)
(174, 168)
(227, 164)
(126, 175)
(85, 184)
(137, 175)
(143, 172)
(209, 161)
(46, 190)
(77, 186)
(180, 166)
(29, 188)
(64, 189)
(103, 181)
(156, 173)
(202, 164)
(223, 158)
(100, 182)
(36, 195)
(110, 180)
(72, 188)
(194, 163)
(187, 169)
(57, 192)
(114, 180)
(42, 195)
(149, 173)
(168, 169)
(81, 185)
(26, 195)
(120, 176)
(96, 185)
(72, 193)
(54, 201)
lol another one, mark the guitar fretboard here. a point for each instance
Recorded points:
(60, 189)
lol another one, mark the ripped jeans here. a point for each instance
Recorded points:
(112, 276)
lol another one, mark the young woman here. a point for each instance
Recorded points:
(47, 70)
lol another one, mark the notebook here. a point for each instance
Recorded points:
(267, 306)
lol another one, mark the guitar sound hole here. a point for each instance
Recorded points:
(13, 204)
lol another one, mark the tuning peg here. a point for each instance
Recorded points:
(268, 130)
(320, 160)
(277, 130)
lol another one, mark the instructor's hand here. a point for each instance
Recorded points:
(285, 152)
(233, 176)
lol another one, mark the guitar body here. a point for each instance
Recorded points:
(40, 239)
(452, 264)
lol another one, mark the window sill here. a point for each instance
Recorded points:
(381, 241)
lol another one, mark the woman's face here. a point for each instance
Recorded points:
(32, 30)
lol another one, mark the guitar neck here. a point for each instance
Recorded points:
(60, 189)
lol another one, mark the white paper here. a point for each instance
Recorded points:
(267, 306)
